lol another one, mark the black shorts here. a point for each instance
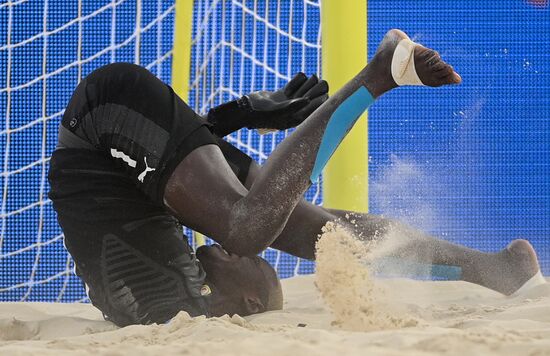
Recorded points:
(128, 249)
(133, 118)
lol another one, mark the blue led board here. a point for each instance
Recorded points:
(468, 163)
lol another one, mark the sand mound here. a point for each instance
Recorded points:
(456, 318)
(347, 287)
(389, 317)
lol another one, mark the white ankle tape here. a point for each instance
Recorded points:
(534, 281)
(402, 64)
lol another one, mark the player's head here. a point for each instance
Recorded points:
(240, 285)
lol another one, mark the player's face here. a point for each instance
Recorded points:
(241, 285)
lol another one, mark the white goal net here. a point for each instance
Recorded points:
(46, 47)
(244, 46)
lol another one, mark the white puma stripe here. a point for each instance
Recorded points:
(141, 176)
(124, 157)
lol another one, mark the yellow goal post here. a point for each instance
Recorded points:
(344, 54)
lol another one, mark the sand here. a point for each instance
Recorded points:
(455, 318)
(341, 310)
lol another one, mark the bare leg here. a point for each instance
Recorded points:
(204, 193)
(505, 271)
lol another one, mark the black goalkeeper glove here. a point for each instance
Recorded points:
(278, 110)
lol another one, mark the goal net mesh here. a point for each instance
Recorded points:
(48, 46)
(244, 46)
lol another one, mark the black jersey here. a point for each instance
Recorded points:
(122, 135)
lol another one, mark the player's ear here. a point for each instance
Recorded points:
(253, 305)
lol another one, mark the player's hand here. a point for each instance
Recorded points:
(286, 107)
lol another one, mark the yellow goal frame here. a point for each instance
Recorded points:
(181, 55)
(181, 62)
(344, 54)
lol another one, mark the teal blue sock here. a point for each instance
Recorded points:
(341, 121)
(411, 269)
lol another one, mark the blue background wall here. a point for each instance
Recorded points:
(470, 163)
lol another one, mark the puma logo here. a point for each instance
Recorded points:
(148, 169)
(132, 163)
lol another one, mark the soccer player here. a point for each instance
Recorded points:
(134, 162)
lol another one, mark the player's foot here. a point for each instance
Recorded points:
(400, 61)
(512, 270)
